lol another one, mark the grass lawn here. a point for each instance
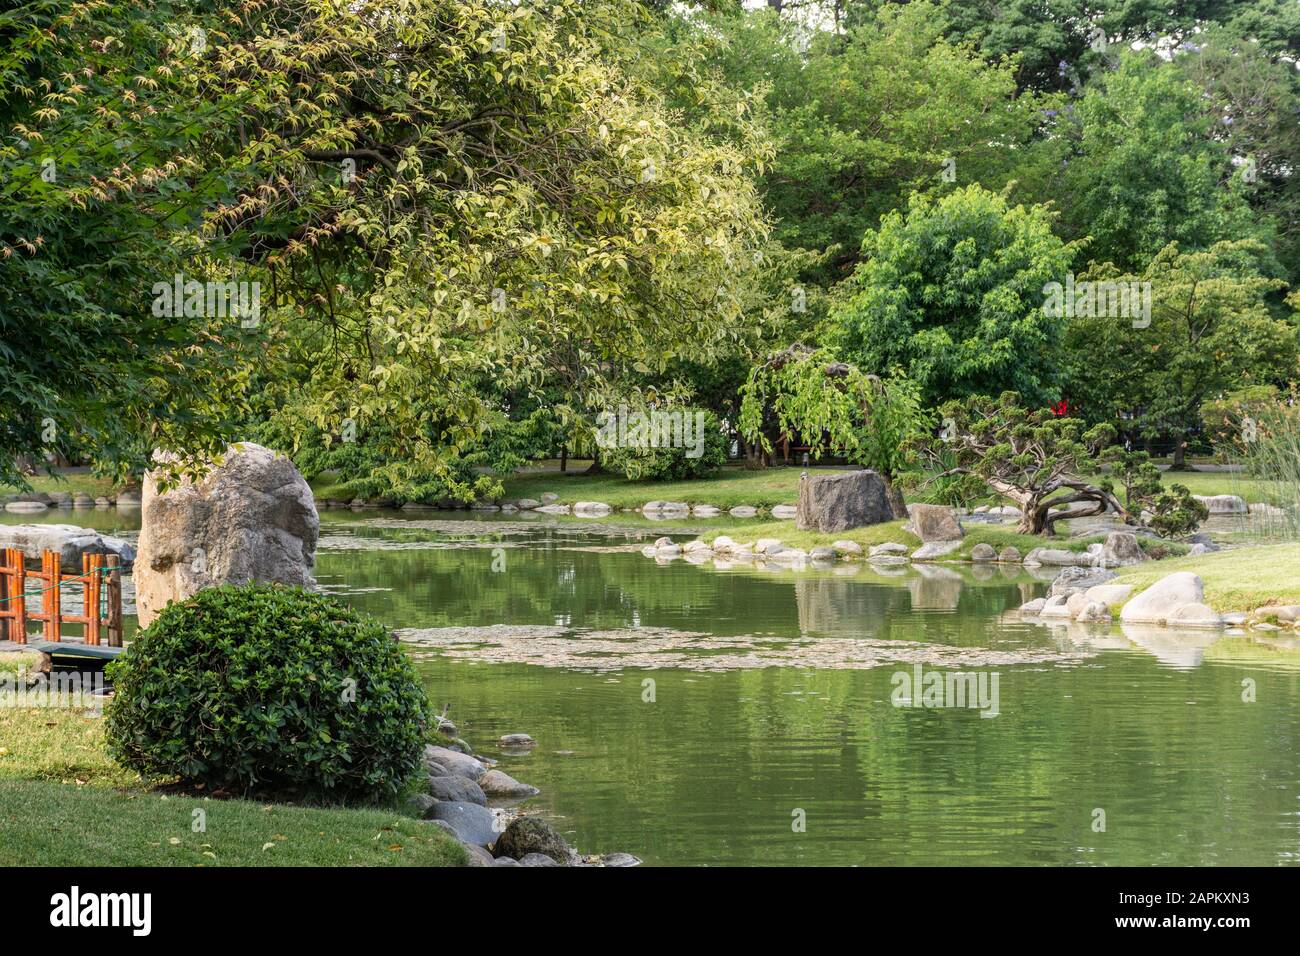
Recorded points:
(71, 482)
(1238, 580)
(1219, 483)
(17, 663)
(54, 824)
(63, 802)
(737, 485)
(733, 485)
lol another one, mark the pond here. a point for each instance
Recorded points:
(697, 715)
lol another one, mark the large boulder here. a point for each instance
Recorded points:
(935, 523)
(837, 502)
(70, 541)
(1120, 550)
(1160, 600)
(252, 518)
(1223, 504)
(527, 835)
(1059, 558)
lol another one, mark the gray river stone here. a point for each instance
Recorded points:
(495, 783)
(456, 789)
(934, 549)
(458, 763)
(472, 823)
(1074, 578)
(70, 541)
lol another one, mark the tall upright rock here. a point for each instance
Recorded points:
(251, 519)
(837, 502)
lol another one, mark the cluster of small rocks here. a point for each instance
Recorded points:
(477, 804)
(1080, 594)
(35, 502)
(550, 504)
(1176, 600)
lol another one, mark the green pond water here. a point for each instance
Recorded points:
(769, 732)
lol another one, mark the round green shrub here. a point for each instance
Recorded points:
(664, 463)
(268, 688)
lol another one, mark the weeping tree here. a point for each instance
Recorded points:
(835, 406)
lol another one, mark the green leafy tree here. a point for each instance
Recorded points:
(1254, 99)
(94, 174)
(871, 421)
(1057, 44)
(1212, 328)
(1146, 167)
(862, 118)
(696, 449)
(436, 194)
(952, 292)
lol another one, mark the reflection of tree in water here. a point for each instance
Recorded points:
(932, 604)
(545, 584)
(839, 607)
(934, 587)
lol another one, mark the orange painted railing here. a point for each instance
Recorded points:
(101, 590)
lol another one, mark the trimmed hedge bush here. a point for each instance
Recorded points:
(268, 688)
(672, 463)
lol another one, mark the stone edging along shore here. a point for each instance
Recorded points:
(1085, 590)
(461, 784)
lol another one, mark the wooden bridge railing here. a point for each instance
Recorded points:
(101, 591)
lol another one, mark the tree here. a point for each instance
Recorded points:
(1145, 168)
(952, 293)
(436, 194)
(1254, 98)
(1212, 329)
(864, 118)
(93, 174)
(1031, 456)
(1172, 511)
(873, 422)
(1058, 44)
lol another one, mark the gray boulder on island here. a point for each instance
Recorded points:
(253, 518)
(837, 502)
(935, 523)
(1157, 603)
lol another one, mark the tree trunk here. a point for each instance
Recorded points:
(1180, 453)
(1033, 517)
(894, 494)
(564, 458)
